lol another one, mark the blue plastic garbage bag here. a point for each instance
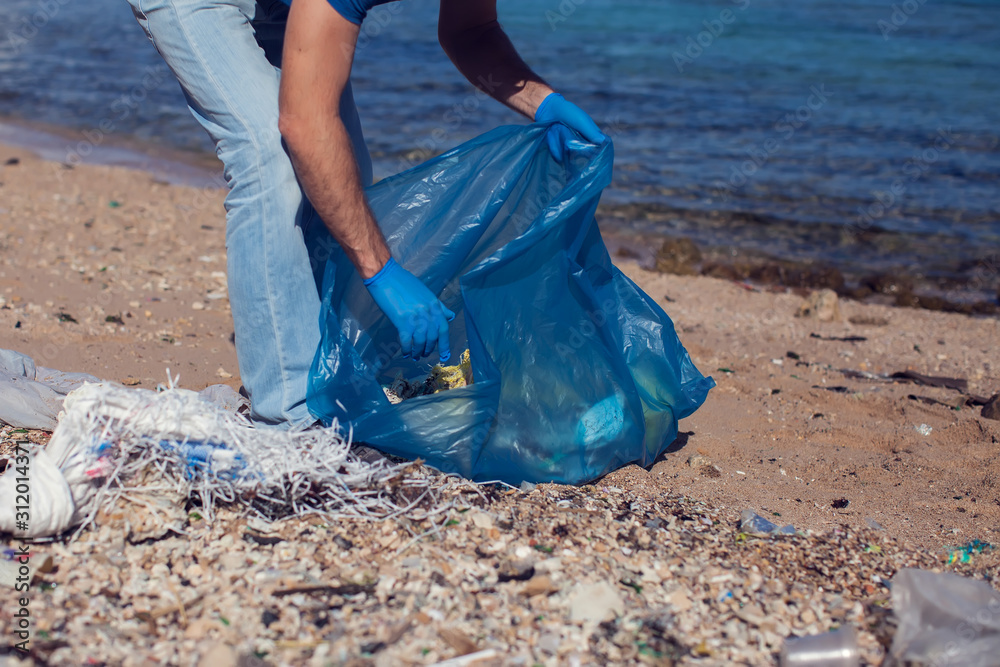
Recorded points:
(576, 371)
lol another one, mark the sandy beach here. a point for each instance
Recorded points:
(110, 272)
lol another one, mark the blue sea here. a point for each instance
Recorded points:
(863, 134)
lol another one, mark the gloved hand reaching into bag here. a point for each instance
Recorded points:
(419, 316)
(555, 108)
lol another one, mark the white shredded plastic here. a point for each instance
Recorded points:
(115, 443)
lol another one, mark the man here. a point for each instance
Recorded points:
(260, 78)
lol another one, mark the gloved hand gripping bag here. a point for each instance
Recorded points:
(576, 371)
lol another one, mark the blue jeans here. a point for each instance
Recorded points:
(226, 54)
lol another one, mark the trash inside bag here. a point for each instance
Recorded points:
(576, 372)
(944, 619)
(441, 378)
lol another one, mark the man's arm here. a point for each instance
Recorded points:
(470, 34)
(472, 37)
(316, 66)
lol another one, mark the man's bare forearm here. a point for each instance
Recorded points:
(481, 51)
(317, 60)
(328, 172)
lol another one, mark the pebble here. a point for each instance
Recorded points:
(539, 585)
(679, 601)
(992, 408)
(822, 305)
(549, 643)
(219, 655)
(481, 519)
(699, 461)
(595, 602)
(580, 585)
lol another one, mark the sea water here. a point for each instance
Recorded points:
(864, 133)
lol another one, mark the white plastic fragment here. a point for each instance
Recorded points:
(115, 443)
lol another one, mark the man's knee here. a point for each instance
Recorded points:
(256, 151)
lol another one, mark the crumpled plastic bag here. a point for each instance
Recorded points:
(31, 397)
(944, 620)
(576, 371)
(49, 498)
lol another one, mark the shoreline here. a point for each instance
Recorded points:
(645, 232)
(975, 295)
(860, 263)
(69, 147)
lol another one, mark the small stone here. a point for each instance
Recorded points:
(650, 576)
(549, 565)
(232, 561)
(752, 614)
(481, 519)
(822, 305)
(595, 602)
(539, 585)
(198, 629)
(219, 655)
(699, 461)
(197, 305)
(992, 408)
(680, 601)
(458, 640)
(549, 643)
(515, 570)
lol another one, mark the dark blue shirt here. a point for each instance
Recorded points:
(352, 10)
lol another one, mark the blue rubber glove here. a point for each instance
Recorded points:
(555, 108)
(420, 318)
